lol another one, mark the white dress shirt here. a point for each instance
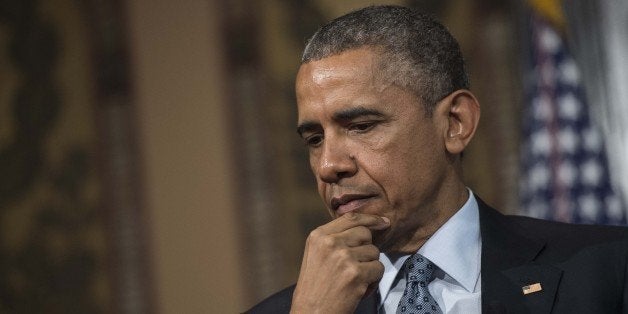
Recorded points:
(455, 248)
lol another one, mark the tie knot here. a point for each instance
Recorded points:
(419, 268)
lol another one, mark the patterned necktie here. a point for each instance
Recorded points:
(416, 298)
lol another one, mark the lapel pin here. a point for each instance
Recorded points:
(536, 287)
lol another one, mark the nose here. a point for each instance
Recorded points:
(335, 162)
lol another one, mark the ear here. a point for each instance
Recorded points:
(463, 114)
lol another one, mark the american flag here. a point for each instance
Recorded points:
(564, 173)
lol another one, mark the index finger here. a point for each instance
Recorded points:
(352, 220)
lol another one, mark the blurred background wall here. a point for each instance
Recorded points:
(148, 158)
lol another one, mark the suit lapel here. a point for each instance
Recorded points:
(508, 256)
(543, 277)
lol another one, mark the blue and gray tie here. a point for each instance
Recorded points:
(416, 298)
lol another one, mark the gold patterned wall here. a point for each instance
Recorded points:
(66, 156)
(53, 247)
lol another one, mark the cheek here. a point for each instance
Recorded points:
(390, 169)
(314, 165)
(322, 188)
(320, 185)
(402, 168)
(399, 176)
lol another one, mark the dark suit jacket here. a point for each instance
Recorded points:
(581, 268)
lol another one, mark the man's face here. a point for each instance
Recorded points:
(371, 146)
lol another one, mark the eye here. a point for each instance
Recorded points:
(313, 140)
(362, 126)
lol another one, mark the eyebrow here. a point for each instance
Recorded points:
(355, 112)
(342, 115)
(307, 126)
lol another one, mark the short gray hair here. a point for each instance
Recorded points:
(418, 53)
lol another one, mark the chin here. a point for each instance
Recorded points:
(386, 244)
(381, 241)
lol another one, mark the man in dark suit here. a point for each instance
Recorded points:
(385, 110)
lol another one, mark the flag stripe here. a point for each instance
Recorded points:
(564, 169)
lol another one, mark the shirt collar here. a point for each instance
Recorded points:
(455, 248)
(392, 266)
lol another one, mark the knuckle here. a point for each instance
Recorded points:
(344, 254)
(368, 234)
(353, 271)
(316, 233)
(351, 216)
(379, 268)
(373, 251)
(374, 248)
(363, 230)
(361, 289)
(328, 241)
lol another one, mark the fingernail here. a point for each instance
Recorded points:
(386, 220)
